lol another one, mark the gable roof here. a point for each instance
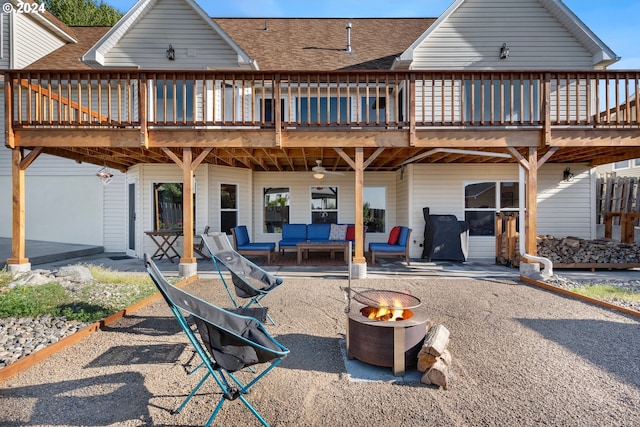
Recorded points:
(299, 44)
(68, 56)
(603, 56)
(50, 22)
(96, 54)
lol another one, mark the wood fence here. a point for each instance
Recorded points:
(616, 194)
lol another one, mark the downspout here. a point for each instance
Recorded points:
(548, 265)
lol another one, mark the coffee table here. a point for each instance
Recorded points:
(332, 247)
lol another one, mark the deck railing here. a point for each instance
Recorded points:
(346, 99)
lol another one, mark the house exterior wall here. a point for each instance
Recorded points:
(300, 184)
(472, 36)
(32, 42)
(54, 186)
(5, 46)
(564, 208)
(169, 22)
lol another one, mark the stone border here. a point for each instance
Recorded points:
(28, 361)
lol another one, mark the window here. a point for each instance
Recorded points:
(311, 112)
(636, 162)
(276, 208)
(168, 94)
(621, 165)
(324, 205)
(483, 200)
(369, 108)
(228, 207)
(167, 206)
(488, 94)
(375, 199)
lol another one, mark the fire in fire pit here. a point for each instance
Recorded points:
(388, 331)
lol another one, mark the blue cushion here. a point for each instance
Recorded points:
(404, 234)
(385, 247)
(242, 235)
(294, 231)
(318, 232)
(257, 247)
(290, 242)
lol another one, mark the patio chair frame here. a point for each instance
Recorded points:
(265, 349)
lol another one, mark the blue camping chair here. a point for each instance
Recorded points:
(251, 282)
(228, 342)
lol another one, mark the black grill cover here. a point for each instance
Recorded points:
(445, 238)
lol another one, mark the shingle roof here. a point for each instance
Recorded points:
(320, 43)
(295, 44)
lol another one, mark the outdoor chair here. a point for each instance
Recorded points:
(228, 342)
(251, 283)
(244, 246)
(198, 246)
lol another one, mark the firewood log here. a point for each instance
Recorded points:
(436, 340)
(438, 374)
(425, 360)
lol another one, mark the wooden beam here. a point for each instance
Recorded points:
(8, 113)
(531, 235)
(77, 138)
(346, 158)
(373, 157)
(595, 137)
(358, 257)
(187, 207)
(547, 156)
(516, 154)
(143, 112)
(477, 138)
(30, 158)
(18, 242)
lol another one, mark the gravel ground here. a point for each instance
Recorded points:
(521, 356)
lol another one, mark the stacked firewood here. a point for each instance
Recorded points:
(573, 250)
(434, 360)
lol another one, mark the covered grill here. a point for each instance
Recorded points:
(445, 238)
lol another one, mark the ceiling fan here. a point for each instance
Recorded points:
(319, 171)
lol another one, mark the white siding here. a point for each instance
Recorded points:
(5, 46)
(300, 183)
(32, 42)
(564, 208)
(472, 36)
(169, 22)
(53, 209)
(115, 214)
(228, 175)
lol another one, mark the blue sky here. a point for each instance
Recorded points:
(613, 21)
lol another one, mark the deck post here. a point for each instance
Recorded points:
(531, 241)
(18, 261)
(359, 261)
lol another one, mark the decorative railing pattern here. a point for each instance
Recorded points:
(345, 99)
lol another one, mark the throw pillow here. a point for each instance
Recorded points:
(338, 232)
(393, 235)
(351, 232)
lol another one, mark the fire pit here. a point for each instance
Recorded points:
(388, 331)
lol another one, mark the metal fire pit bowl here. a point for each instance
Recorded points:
(386, 299)
(393, 344)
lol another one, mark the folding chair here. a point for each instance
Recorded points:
(249, 280)
(228, 342)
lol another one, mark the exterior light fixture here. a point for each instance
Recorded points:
(105, 175)
(504, 51)
(318, 175)
(567, 175)
(171, 53)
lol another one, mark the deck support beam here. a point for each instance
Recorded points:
(18, 261)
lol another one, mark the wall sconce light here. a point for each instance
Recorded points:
(504, 51)
(318, 175)
(171, 53)
(567, 175)
(105, 175)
